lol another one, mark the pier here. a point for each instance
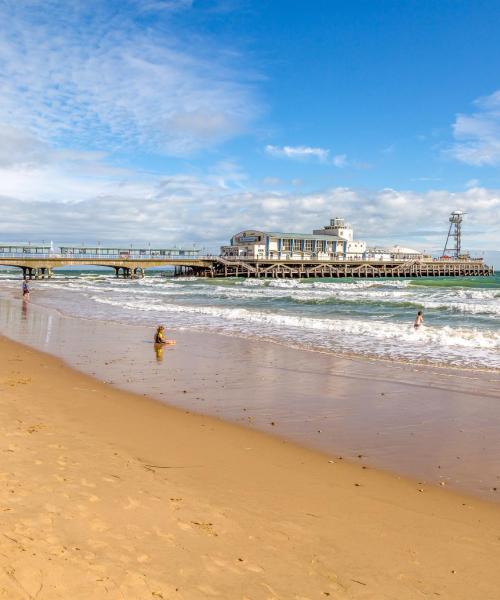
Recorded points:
(128, 268)
(297, 269)
(41, 267)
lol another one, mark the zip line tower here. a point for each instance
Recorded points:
(453, 243)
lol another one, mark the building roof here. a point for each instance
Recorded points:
(403, 250)
(305, 236)
(301, 236)
(20, 245)
(128, 249)
(393, 250)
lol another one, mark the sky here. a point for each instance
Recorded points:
(180, 122)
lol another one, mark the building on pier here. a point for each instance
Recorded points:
(394, 253)
(24, 250)
(334, 241)
(46, 250)
(126, 253)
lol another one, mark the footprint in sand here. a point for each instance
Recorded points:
(206, 527)
(109, 479)
(86, 483)
(131, 504)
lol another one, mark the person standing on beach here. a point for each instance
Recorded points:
(419, 320)
(26, 291)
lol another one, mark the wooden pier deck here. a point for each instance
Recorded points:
(216, 266)
(224, 267)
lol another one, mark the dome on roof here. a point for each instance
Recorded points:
(403, 250)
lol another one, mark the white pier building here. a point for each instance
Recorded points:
(334, 241)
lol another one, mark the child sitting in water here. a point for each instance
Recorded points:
(160, 336)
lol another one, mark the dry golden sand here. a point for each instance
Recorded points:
(109, 495)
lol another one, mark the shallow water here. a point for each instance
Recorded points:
(434, 424)
(366, 317)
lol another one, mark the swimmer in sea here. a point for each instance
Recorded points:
(26, 291)
(160, 336)
(419, 320)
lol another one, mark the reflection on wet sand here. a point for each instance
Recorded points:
(159, 351)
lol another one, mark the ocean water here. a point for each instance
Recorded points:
(364, 317)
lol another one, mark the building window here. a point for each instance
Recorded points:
(308, 246)
(287, 245)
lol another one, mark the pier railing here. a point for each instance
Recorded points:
(93, 256)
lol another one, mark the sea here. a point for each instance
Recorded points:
(372, 318)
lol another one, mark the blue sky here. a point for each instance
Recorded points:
(180, 121)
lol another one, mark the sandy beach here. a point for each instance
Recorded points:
(434, 425)
(107, 494)
(303, 199)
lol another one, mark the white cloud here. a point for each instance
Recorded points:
(307, 152)
(297, 152)
(161, 5)
(478, 135)
(472, 183)
(340, 160)
(86, 74)
(208, 209)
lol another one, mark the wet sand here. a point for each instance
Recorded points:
(107, 494)
(436, 425)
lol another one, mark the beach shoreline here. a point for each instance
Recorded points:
(111, 494)
(359, 318)
(431, 424)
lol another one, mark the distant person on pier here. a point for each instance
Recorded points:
(26, 291)
(160, 336)
(419, 321)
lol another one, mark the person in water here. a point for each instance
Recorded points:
(160, 336)
(419, 320)
(26, 291)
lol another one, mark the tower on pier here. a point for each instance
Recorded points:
(453, 243)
